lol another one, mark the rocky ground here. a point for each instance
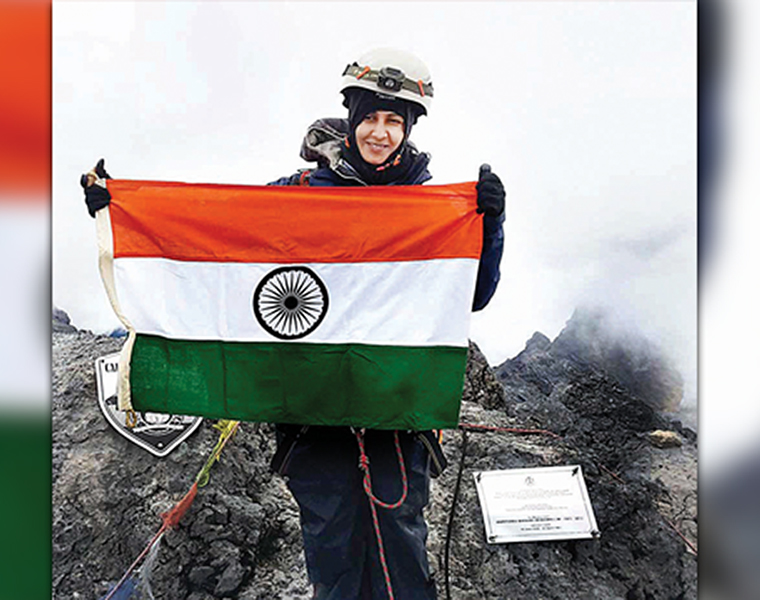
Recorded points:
(240, 539)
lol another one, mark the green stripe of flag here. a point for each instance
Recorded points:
(379, 387)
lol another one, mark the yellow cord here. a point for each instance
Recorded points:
(227, 430)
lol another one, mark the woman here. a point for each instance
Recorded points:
(385, 91)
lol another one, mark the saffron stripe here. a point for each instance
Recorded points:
(380, 387)
(286, 225)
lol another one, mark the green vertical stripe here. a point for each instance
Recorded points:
(380, 387)
(25, 463)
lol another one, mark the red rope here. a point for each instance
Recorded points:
(374, 500)
(170, 521)
(171, 518)
(475, 427)
(682, 536)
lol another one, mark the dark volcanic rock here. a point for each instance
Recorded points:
(590, 337)
(584, 386)
(108, 495)
(241, 539)
(480, 383)
(591, 343)
(633, 488)
(62, 321)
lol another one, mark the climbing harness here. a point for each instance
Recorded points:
(374, 500)
(432, 442)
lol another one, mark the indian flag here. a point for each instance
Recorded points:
(322, 306)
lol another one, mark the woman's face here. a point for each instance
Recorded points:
(379, 135)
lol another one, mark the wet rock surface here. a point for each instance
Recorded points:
(241, 538)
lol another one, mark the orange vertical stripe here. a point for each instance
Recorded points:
(25, 105)
(294, 224)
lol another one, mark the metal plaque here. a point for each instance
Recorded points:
(529, 505)
(157, 433)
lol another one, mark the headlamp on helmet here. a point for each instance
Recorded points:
(390, 79)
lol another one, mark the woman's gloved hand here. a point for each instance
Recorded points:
(96, 196)
(491, 192)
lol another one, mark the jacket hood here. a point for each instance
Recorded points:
(323, 142)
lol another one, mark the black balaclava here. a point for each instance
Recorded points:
(360, 103)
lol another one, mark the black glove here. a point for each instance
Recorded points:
(96, 196)
(490, 192)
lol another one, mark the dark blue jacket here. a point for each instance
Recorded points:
(323, 143)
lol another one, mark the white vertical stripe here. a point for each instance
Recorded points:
(24, 304)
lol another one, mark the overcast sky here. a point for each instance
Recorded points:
(586, 110)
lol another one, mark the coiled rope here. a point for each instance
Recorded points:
(375, 501)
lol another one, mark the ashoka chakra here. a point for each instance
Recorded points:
(290, 302)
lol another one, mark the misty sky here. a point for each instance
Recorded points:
(586, 110)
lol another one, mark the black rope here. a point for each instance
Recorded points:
(464, 427)
(451, 516)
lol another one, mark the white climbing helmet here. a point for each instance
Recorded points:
(392, 72)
